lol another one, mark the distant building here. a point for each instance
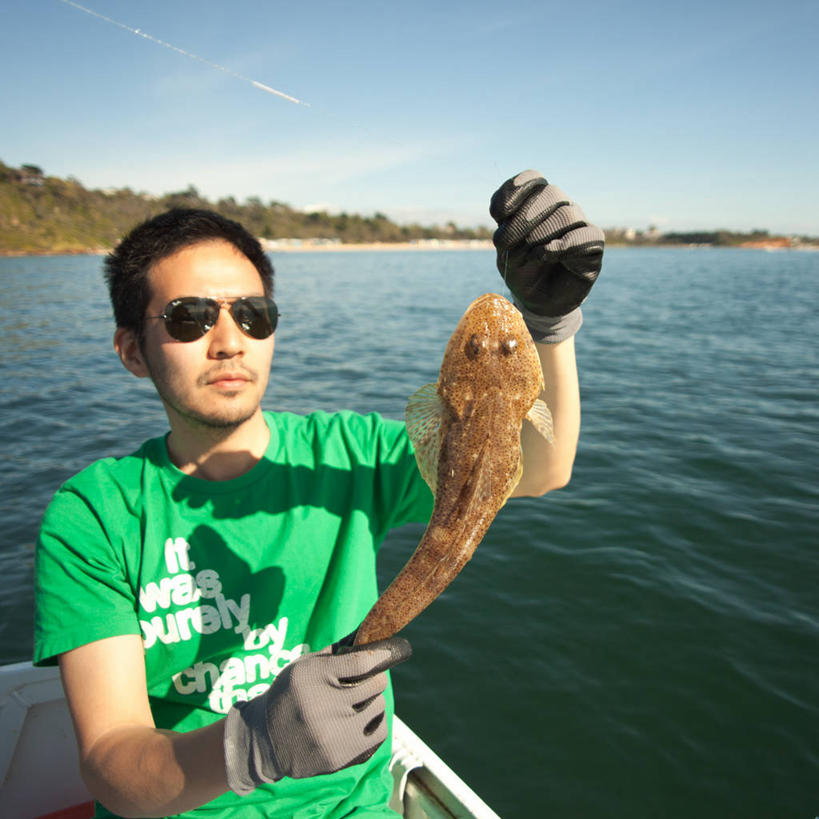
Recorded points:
(30, 175)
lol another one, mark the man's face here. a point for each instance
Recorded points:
(217, 380)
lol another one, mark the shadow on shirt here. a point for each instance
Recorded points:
(284, 561)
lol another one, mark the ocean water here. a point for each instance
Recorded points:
(642, 643)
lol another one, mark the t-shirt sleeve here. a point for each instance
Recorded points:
(81, 593)
(405, 496)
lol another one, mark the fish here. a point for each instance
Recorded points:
(466, 432)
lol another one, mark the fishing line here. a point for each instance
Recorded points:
(140, 33)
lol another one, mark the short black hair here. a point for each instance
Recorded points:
(128, 265)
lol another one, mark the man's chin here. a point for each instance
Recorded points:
(219, 418)
(225, 420)
(221, 422)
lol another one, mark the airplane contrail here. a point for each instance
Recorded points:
(140, 33)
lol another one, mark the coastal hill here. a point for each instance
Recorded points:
(47, 214)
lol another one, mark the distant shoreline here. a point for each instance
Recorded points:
(288, 246)
(273, 246)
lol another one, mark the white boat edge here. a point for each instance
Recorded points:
(36, 736)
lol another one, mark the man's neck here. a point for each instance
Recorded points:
(217, 454)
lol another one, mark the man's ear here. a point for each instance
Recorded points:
(129, 352)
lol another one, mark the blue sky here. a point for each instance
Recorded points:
(684, 115)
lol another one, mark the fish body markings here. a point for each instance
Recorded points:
(466, 432)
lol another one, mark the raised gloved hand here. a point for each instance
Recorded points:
(548, 254)
(323, 712)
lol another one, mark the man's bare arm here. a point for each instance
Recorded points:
(549, 257)
(129, 765)
(325, 710)
(549, 466)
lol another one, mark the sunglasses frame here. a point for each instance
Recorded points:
(269, 307)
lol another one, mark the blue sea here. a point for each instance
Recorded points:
(643, 643)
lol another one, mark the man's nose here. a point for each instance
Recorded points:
(226, 337)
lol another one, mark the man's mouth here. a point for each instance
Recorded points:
(229, 383)
(228, 380)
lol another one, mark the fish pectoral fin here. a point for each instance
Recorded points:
(541, 418)
(513, 485)
(423, 415)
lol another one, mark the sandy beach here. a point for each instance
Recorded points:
(299, 246)
(313, 246)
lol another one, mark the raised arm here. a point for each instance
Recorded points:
(549, 466)
(549, 256)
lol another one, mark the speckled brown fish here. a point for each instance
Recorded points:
(466, 432)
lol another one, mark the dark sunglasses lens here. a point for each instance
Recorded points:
(256, 315)
(189, 319)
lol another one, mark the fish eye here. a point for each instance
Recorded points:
(509, 346)
(475, 346)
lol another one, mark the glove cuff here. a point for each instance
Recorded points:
(551, 329)
(247, 755)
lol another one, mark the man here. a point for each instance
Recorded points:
(211, 572)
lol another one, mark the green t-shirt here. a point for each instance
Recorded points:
(227, 582)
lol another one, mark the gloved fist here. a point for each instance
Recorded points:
(324, 712)
(548, 254)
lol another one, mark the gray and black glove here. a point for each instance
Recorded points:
(548, 254)
(323, 712)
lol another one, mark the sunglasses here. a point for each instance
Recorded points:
(191, 317)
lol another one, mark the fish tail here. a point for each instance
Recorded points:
(429, 571)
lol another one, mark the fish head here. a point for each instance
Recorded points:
(490, 351)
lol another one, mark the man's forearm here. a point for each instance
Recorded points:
(549, 466)
(141, 771)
